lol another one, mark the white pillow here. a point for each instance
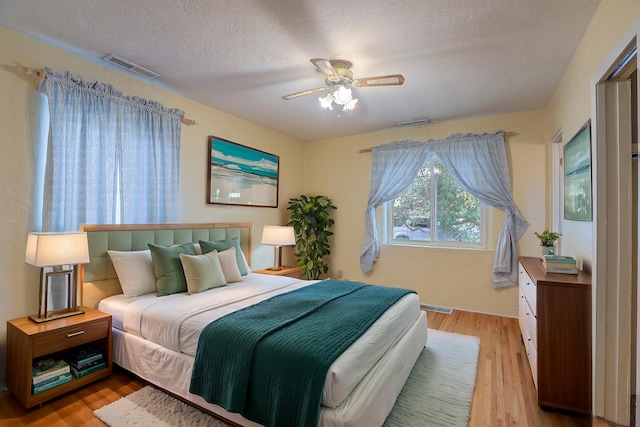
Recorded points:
(135, 271)
(230, 265)
(202, 272)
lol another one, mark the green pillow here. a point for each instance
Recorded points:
(168, 267)
(222, 245)
(202, 272)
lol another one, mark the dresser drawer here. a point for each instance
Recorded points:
(528, 288)
(522, 310)
(532, 355)
(532, 324)
(64, 338)
(526, 319)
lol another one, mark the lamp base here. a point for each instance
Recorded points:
(54, 316)
(274, 268)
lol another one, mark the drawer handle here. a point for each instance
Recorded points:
(75, 334)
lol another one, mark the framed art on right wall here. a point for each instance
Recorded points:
(577, 176)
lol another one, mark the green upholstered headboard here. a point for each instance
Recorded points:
(98, 279)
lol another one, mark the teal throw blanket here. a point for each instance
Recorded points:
(269, 361)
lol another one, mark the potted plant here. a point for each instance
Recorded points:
(309, 217)
(547, 242)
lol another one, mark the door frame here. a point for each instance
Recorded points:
(608, 372)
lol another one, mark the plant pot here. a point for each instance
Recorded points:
(547, 250)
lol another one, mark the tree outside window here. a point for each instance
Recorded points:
(435, 209)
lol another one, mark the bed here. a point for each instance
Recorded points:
(156, 337)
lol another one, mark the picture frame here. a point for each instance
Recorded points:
(577, 176)
(241, 175)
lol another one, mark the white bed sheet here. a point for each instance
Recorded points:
(175, 322)
(367, 406)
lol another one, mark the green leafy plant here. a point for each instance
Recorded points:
(309, 216)
(547, 238)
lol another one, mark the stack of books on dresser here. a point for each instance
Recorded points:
(85, 360)
(48, 373)
(559, 264)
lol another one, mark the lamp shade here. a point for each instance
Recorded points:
(51, 249)
(276, 235)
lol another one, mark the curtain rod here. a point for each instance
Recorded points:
(40, 75)
(505, 136)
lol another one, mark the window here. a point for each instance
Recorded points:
(435, 210)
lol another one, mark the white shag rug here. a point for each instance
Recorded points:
(152, 407)
(437, 394)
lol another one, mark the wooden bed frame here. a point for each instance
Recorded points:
(98, 279)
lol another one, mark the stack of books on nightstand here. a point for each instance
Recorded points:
(559, 264)
(49, 373)
(85, 360)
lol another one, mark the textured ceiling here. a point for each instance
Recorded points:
(460, 59)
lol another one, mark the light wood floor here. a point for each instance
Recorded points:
(504, 393)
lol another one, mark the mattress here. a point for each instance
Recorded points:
(174, 323)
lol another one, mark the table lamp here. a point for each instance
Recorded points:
(57, 254)
(278, 236)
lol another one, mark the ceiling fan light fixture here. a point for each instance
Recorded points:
(338, 77)
(340, 96)
(325, 102)
(351, 105)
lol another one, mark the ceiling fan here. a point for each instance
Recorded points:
(338, 78)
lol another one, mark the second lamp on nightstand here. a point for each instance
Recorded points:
(278, 236)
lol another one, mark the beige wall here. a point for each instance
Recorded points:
(18, 130)
(449, 277)
(570, 107)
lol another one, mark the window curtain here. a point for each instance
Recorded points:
(110, 158)
(478, 163)
(395, 166)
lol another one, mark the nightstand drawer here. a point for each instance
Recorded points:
(62, 339)
(293, 272)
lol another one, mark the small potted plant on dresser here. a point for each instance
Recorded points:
(547, 242)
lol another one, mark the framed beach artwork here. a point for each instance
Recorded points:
(577, 176)
(240, 175)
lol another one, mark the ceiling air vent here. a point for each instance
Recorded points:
(134, 68)
(418, 122)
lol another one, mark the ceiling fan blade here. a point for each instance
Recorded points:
(303, 93)
(390, 80)
(325, 67)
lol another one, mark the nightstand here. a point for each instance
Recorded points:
(285, 271)
(27, 340)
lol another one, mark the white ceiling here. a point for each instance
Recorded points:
(460, 58)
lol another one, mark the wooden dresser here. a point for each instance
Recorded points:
(555, 320)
